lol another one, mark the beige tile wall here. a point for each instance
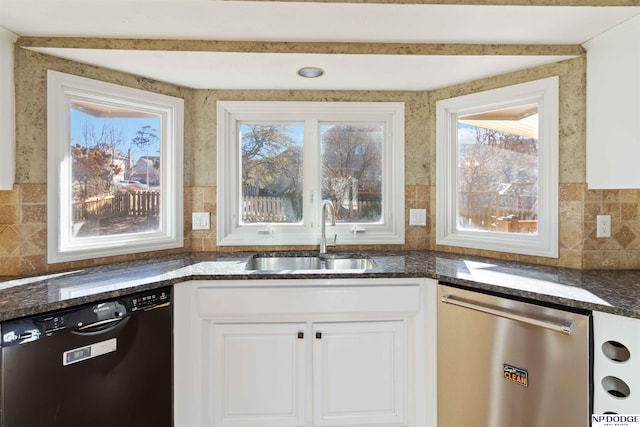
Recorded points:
(622, 249)
(23, 210)
(10, 232)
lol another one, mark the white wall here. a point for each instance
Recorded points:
(613, 107)
(7, 111)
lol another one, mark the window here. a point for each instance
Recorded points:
(497, 176)
(278, 162)
(114, 169)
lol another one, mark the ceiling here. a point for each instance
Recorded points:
(308, 22)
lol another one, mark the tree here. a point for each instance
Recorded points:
(266, 155)
(93, 168)
(272, 166)
(351, 162)
(498, 157)
(496, 174)
(93, 161)
(145, 138)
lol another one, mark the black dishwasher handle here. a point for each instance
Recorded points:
(101, 326)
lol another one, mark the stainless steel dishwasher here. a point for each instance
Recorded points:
(99, 365)
(507, 363)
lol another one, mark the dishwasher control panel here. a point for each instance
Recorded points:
(148, 300)
(83, 318)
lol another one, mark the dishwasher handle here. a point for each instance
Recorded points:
(558, 327)
(101, 326)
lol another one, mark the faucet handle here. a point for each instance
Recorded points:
(335, 238)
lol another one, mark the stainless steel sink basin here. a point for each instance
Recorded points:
(347, 262)
(332, 261)
(278, 262)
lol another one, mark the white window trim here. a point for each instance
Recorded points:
(62, 89)
(545, 242)
(229, 230)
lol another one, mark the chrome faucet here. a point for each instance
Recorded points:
(326, 204)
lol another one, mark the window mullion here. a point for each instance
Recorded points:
(311, 171)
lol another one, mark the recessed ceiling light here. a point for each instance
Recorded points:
(310, 72)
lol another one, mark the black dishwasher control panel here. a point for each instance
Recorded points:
(83, 318)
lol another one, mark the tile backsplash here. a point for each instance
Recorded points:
(622, 249)
(10, 241)
(23, 230)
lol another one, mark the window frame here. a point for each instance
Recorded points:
(544, 92)
(229, 230)
(62, 247)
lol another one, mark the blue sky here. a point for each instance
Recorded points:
(466, 134)
(128, 126)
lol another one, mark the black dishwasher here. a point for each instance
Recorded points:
(102, 364)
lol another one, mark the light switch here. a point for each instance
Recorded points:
(417, 217)
(200, 221)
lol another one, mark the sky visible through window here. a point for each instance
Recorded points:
(466, 134)
(127, 125)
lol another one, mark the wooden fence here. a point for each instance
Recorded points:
(272, 209)
(133, 203)
(263, 209)
(485, 209)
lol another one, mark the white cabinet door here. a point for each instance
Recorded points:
(259, 375)
(359, 373)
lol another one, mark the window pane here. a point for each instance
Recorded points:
(115, 170)
(352, 170)
(498, 170)
(271, 172)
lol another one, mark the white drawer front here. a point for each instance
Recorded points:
(289, 300)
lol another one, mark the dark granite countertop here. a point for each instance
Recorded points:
(616, 292)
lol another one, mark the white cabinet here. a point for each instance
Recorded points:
(259, 374)
(7, 111)
(616, 364)
(302, 353)
(613, 107)
(358, 373)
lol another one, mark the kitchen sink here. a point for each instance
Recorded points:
(283, 262)
(295, 261)
(347, 262)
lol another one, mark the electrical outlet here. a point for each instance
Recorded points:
(417, 217)
(200, 221)
(603, 226)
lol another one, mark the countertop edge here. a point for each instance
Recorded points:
(605, 291)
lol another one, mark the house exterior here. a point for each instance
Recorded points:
(145, 170)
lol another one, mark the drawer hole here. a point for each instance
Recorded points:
(616, 351)
(616, 387)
